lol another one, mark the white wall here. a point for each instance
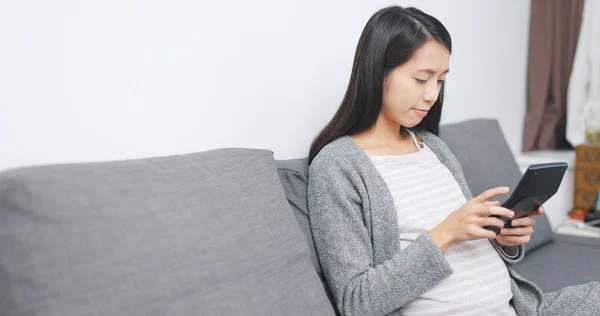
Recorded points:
(84, 81)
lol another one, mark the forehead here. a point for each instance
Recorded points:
(432, 55)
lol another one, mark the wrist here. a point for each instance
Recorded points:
(441, 237)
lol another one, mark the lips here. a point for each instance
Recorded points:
(421, 112)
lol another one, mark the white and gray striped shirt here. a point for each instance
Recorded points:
(425, 193)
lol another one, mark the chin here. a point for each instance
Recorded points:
(411, 124)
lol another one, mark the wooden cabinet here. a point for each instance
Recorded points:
(587, 176)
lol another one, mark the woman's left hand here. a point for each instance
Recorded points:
(521, 231)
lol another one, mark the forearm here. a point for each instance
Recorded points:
(381, 289)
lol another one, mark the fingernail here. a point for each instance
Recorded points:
(503, 231)
(512, 213)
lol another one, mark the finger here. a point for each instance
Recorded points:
(488, 221)
(524, 221)
(512, 240)
(478, 232)
(489, 194)
(539, 211)
(496, 203)
(518, 231)
(494, 210)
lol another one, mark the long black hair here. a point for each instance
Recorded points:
(389, 39)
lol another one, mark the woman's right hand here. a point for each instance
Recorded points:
(467, 222)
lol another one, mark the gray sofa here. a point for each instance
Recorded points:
(222, 232)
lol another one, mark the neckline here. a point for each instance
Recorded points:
(369, 156)
(414, 138)
(386, 157)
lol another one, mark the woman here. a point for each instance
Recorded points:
(394, 224)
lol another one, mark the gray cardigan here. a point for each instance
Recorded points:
(354, 226)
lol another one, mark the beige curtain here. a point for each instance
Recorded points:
(553, 33)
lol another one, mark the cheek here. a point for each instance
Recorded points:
(400, 96)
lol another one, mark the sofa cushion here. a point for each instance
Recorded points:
(567, 261)
(200, 234)
(293, 174)
(487, 162)
(578, 240)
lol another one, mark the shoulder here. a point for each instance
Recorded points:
(335, 153)
(337, 170)
(439, 147)
(427, 136)
(433, 141)
(340, 158)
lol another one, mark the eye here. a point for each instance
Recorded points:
(421, 81)
(441, 82)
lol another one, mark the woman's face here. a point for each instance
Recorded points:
(412, 88)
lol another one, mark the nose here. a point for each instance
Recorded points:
(431, 92)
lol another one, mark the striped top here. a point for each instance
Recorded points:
(425, 193)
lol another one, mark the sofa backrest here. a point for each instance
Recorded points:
(201, 234)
